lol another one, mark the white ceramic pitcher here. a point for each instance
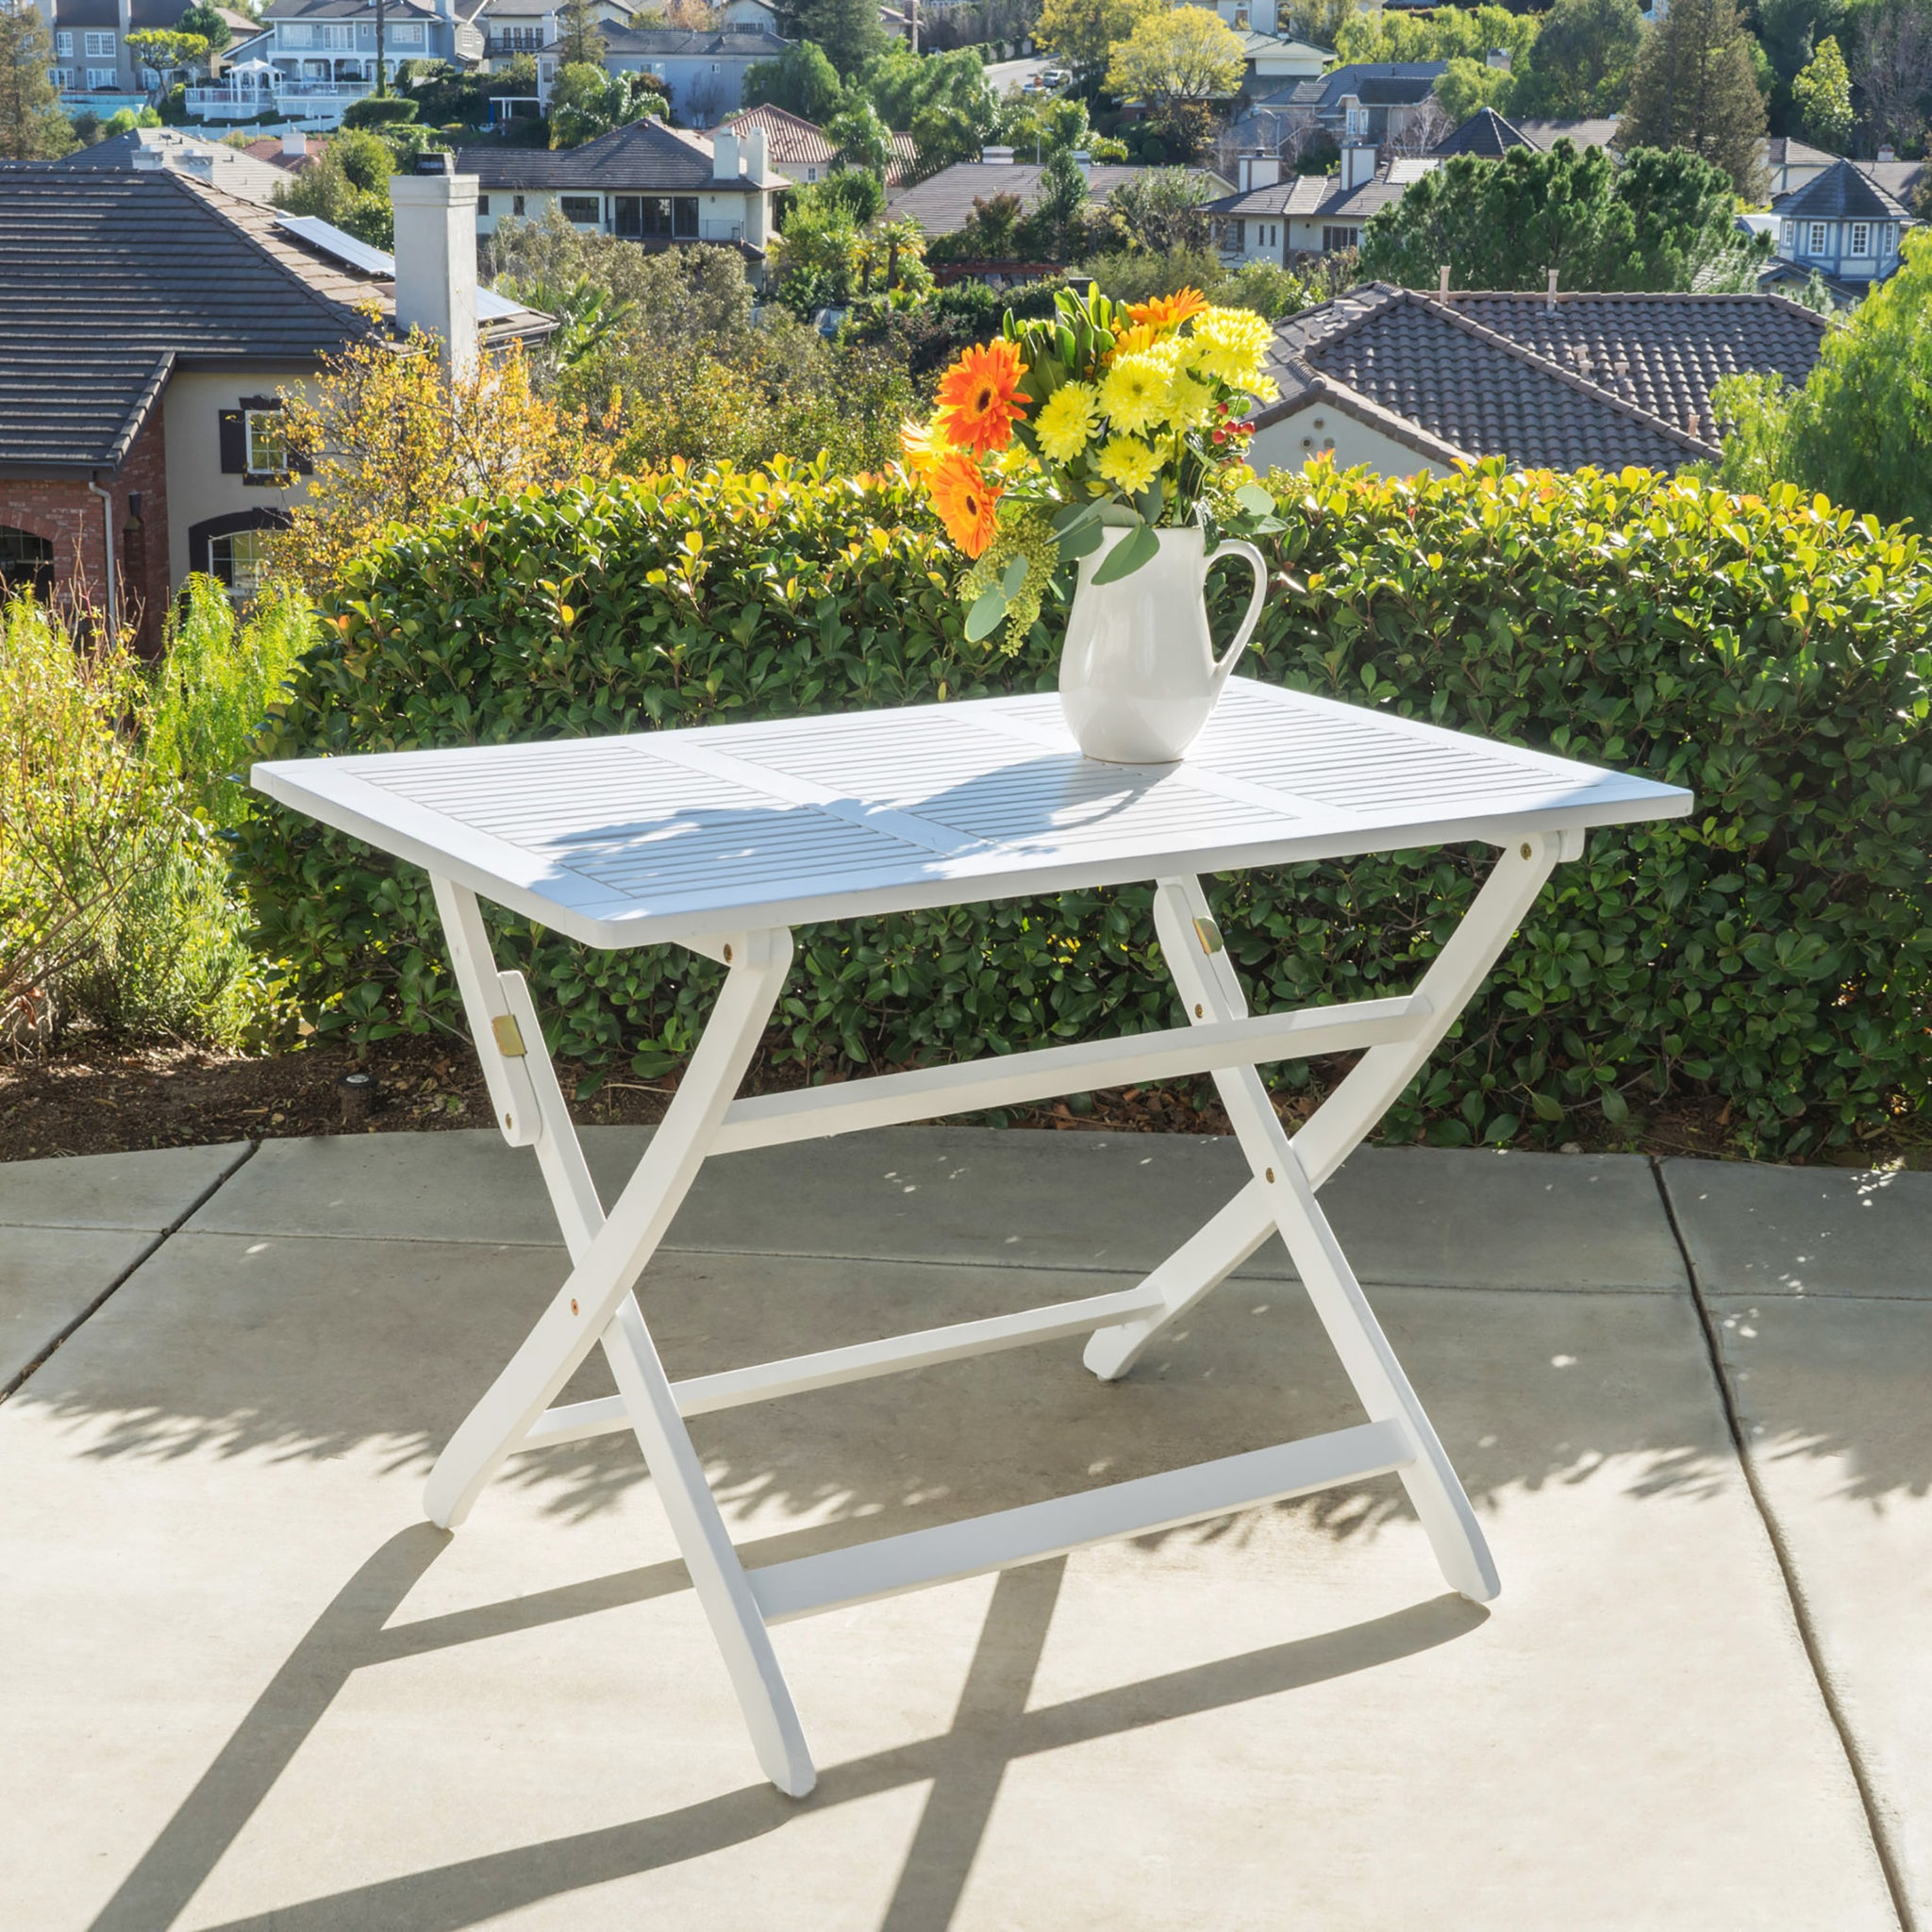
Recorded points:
(1138, 673)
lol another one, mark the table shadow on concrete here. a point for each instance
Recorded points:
(963, 1767)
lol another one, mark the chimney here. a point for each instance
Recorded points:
(1084, 161)
(1499, 57)
(1358, 165)
(997, 157)
(436, 257)
(146, 159)
(1549, 300)
(724, 156)
(1442, 283)
(757, 159)
(294, 142)
(1260, 171)
(1888, 153)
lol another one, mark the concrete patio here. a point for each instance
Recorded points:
(245, 1685)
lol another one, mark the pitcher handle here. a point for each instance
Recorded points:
(1253, 558)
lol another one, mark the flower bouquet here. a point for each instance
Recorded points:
(1107, 437)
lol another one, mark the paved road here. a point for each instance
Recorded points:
(1008, 74)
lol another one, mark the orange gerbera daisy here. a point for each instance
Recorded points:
(977, 401)
(1169, 312)
(966, 502)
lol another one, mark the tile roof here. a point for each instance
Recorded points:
(659, 42)
(1485, 132)
(789, 139)
(943, 203)
(1372, 82)
(109, 277)
(1843, 192)
(1319, 195)
(1599, 132)
(1899, 179)
(646, 157)
(235, 169)
(1663, 353)
(1462, 384)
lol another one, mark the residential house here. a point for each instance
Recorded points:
(757, 14)
(1486, 135)
(1598, 131)
(147, 322)
(313, 57)
(228, 168)
(704, 72)
(802, 152)
(1406, 381)
(1283, 219)
(1270, 60)
(511, 28)
(660, 186)
(93, 67)
(1792, 164)
(291, 151)
(1379, 102)
(943, 203)
(1842, 226)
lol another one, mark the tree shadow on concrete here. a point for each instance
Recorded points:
(962, 1768)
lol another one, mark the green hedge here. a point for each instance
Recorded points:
(1772, 949)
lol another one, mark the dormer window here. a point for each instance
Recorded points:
(1862, 238)
(1817, 241)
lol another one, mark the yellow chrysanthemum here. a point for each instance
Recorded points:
(1134, 391)
(1131, 341)
(1230, 343)
(1066, 423)
(1189, 401)
(1128, 464)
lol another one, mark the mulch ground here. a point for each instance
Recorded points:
(95, 1095)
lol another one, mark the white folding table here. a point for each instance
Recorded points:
(720, 840)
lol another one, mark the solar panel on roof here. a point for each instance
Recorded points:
(332, 240)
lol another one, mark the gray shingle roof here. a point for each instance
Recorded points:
(1485, 132)
(1466, 385)
(1663, 353)
(646, 157)
(1599, 132)
(659, 42)
(1843, 192)
(110, 277)
(943, 203)
(239, 172)
(1372, 82)
(1313, 194)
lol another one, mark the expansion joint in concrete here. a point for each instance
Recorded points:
(1882, 1846)
(161, 1237)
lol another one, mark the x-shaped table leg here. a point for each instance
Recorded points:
(1281, 1196)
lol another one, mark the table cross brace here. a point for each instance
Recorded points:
(597, 1305)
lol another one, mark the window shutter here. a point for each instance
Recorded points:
(234, 444)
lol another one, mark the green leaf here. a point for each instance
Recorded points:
(988, 611)
(1082, 540)
(1011, 579)
(1256, 500)
(1139, 546)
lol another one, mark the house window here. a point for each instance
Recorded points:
(1817, 246)
(26, 562)
(342, 35)
(1358, 123)
(1791, 236)
(516, 204)
(98, 46)
(482, 203)
(239, 560)
(1334, 240)
(102, 80)
(61, 78)
(1862, 238)
(63, 44)
(1241, 20)
(656, 217)
(406, 33)
(266, 444)
(1238, 236)
(585, 210)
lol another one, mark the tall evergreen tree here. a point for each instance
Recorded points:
(579, 38)
(1695, 87)
(1582, 60)
(32, 128)
(848, 30)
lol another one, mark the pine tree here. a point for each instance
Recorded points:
(32, 128)
(579, 38)
(1695, 87)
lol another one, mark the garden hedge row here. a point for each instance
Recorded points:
(1771, 950)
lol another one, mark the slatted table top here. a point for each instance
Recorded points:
(663, 835)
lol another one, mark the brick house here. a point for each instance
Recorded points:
(147, 322)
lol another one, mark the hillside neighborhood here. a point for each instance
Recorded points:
(966, 963)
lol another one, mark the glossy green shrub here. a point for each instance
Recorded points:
(1772, 949)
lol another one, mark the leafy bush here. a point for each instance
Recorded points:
(116, 781)
(1771, 950)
